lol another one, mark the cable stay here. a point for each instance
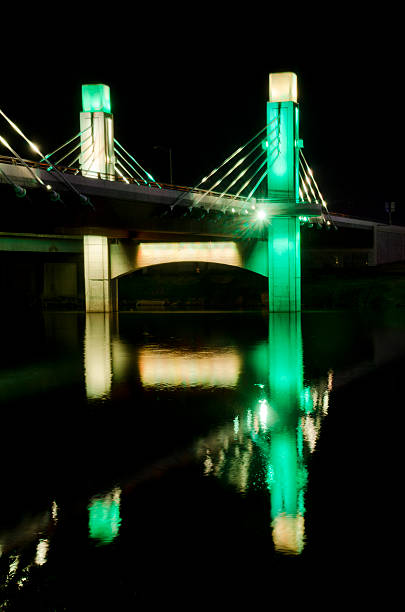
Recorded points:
(77, 136)
(221, 165)
(311, 179)
(241, 175)
(231, 170)
(54, 196)
(247, 183)
(232, 186)
(139, 175)
(36, 149)
(303, 189)
(148, 177)
(127, 168)
(309, 187)
(118, 171)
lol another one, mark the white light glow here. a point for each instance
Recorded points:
(35, 148)
(208, 368)
(283, 87)
(42, 550)
(153, 253)
(288, 533)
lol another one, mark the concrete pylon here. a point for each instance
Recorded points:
(97, 277)
(97, 158)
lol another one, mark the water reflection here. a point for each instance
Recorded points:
(267, 444)
(104, 516)
(195, 411)
(18, 543)
(164, 367)
(97, 355)
(107, 359)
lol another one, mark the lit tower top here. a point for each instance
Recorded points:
(283, 87)
(97, 133)
(96, 98)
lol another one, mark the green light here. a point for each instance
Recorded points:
(284, 265)
(104, 517)
(96, 98)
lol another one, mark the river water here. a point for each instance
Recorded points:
(192, 459)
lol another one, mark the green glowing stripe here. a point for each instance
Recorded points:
(257, 185)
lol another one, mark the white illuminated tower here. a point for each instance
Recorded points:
(97, 133)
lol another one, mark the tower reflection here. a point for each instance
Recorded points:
(267, 445)
(104, 516)
(97, 355)
(283, 447)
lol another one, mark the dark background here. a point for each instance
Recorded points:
(195, 78)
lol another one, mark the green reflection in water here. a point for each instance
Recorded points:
(289, 473)
(104, 517)
(266, 447)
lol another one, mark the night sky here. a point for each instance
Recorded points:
(196, 80)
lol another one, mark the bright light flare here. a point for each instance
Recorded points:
(4, 142)
(261, 215)
(35, 148)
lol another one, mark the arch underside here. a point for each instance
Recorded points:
(229, 253)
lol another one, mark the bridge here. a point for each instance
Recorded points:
(101, 203)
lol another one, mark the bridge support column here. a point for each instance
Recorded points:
(283, 186)
(284, 265)
(97, 276)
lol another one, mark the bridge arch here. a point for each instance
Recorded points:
(126, 257)
(191, 284)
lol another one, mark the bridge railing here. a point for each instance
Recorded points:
(40, 165)
(285, 206)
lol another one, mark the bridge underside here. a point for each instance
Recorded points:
(49, 269)
(277, 258)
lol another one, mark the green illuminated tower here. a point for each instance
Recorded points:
(97, 133)
(283, 185)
